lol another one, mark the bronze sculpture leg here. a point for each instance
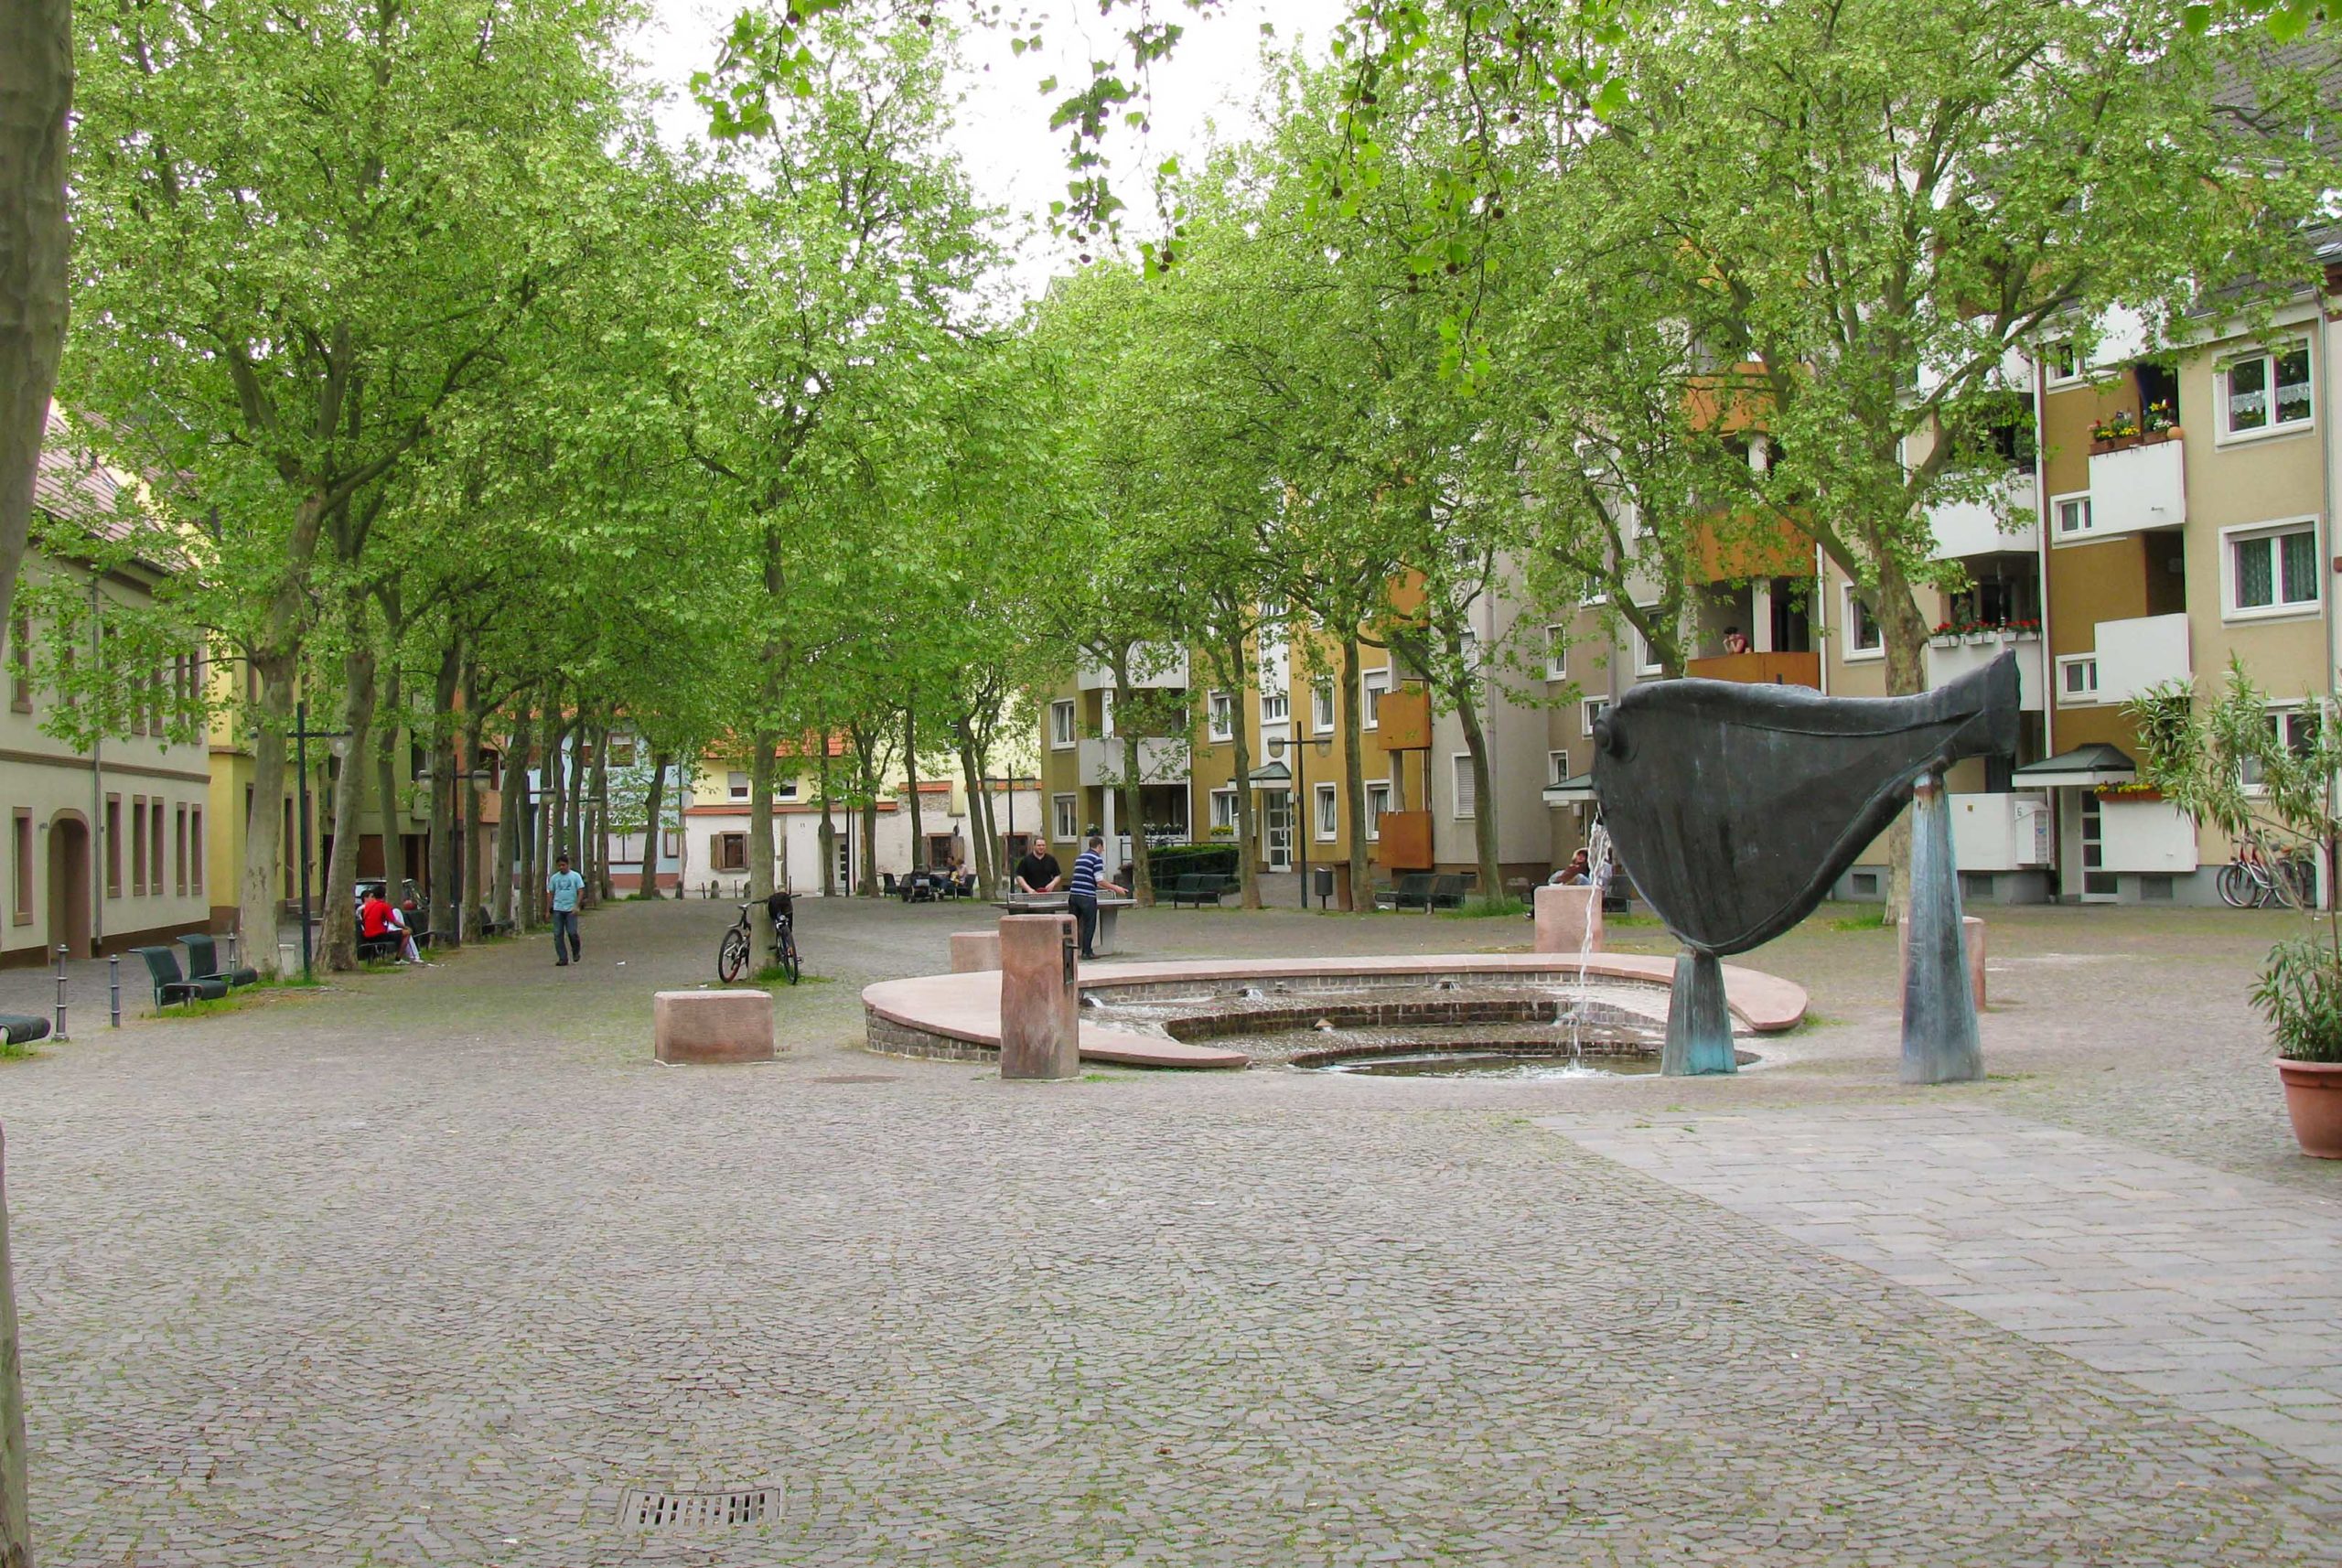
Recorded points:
(1940, 1040)
(1699, 1026)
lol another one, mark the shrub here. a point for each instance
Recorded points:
(1164, 866)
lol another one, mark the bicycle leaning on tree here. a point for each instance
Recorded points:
(739, 940)
(2258, 875)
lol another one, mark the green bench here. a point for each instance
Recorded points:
(1199, 887)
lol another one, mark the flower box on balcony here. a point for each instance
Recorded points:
(1979, 638)
(1944, 639)
(2144, 438)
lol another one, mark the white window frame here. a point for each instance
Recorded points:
(1557, 653)
(737, 786)
(1282, 710)
(1374, 686)
(784, 788)
(1378, 802)
(2280, 713)
(2223, 435)
(1321, 705)
(2058, 532)
(2279, 609)
(1225, 796)
(1325, 813)
(2066, 696)
(1645, 661)
(1850, 628)
(2076, 376)
(1469, 649)
(1065, 816)
(1062, 734)
(1557, 767)
(1219, 714)
(1590, 712)
(1459, 779)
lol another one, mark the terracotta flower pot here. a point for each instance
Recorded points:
(2314, 1099)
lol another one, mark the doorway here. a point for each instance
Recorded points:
(2098, 885)
(69, 882)
(1276, 830)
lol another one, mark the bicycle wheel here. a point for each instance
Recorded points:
(2235, 884)
(789, 959)
(2292, 880)
(732, 959)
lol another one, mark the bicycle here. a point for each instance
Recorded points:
(2252, 879)
(739, 943)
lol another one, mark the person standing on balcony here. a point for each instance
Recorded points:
(1735, 640)
(1081, 892)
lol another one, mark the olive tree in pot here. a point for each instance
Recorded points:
(2264, 777)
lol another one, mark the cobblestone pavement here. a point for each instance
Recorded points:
(432, 1267)
(2198, 1288)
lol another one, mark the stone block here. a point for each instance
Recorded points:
(712, 1026)
(1972, 929)
(1566, 916)
(1040, 1013)
(973, 951)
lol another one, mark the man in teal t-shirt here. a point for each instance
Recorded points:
(565, 886)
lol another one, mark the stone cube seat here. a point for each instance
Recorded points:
(706, 1027)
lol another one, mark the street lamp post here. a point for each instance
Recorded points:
(302, 736)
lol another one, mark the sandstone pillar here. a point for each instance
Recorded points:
(1039, 1004)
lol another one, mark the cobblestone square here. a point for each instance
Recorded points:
(438, 1267)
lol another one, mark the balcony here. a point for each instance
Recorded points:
(1154, 667)
(1973, 527)
(2139, 487)
(2001, 833)
(1759, 669)
(1405, 841)
(2133, 655)
(1159, 761)
(1403, 719)
(1946, 665)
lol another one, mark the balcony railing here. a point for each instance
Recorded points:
(1759, 669)
(2134, 655)
(2001, 833)
(1160, 761)
(1403, 719)
(1973, 527)
(2138, 487)
(1947, 664)
(1154, 667)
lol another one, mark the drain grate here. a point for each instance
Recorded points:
(646, 1510)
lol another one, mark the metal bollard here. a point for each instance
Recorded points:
(114, 988)
(57, 1032)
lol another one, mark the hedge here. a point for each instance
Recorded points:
(1166, 865)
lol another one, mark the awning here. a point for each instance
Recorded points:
(1575, 790)
(2084, 767)
(1275, 776)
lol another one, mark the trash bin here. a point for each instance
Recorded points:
(1333, 885)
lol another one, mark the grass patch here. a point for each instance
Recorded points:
(1631, 922)
(15, 1051)
(1867, 920)
(773, 977)
(1485, 910)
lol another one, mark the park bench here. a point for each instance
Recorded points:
(170, 985)
(1199, 887)
(22, 1029)
(1446, 892)
(203, 961)
(1412, 891)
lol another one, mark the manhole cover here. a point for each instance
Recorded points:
(858, 1077)
(647, 1510)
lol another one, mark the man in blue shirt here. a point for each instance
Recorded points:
(565, 886)
(1081, 892)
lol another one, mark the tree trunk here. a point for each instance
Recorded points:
(828, 834)
(260, 894)
(653, 802)
(972, 779)
(573, 819)
(341, 875)
(511, 833)
(1248, 881)
(1354, 774)
(684, 769)
(475, 722)
(386, 788)
(1483, 797)
(604, 891)
(1134, 802)
(760, 854)
(16, 1529)
(551, 793)
(1904, 632)
(870, 846)
(910, 784)
(446, 914)
(36, 41)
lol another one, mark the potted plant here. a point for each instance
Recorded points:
(2021, 631)
(2112, 434)
(1945, 635)
(2160, 421)
(1978, 634)
(2224, 764)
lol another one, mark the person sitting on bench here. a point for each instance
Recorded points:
(380, 922)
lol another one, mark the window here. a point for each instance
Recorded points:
(113, 846)
(1863, 638)
(138, 843)
(737, 786)
(24, 849)
(1321, 706)
(1467, 794)
(622, 751)
(1223, 810)
(784, 790)
(20, 664)
(1646, 659)
(2267, 393)
(1220, 714)
(2273, 571)
(1557, 767)
(179, 855)
(1276, 707)
(1591, 710)
(2063, 364)
(155, 845)
(2295, 728)
(671, 843)
(1375, 684)
(729, 852)
(1062, 726)
(1378, 801)
(1329, 811)
(195, 850)
(1467, 647)
(2077, 678)
(2070, 515)
(1063, 825)
(1557, 650)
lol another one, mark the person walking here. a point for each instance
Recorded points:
(1081, 892)
(564, 886)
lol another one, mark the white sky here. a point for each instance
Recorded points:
(1013, 158)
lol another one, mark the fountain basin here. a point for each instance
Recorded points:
(1131, 1008)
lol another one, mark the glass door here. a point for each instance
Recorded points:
(2098, 884)
(1276, 830)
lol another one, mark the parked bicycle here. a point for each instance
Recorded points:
(2254, 877)
(732, 959)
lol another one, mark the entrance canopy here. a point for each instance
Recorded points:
(2084, 767)
(1577, 789)
(1275, 776)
